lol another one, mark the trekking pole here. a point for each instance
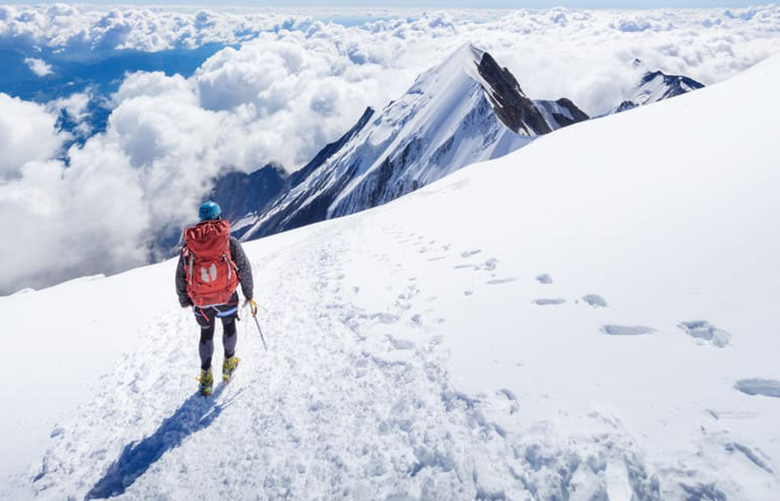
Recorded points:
(257, 323)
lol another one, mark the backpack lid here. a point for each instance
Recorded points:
(208, 239)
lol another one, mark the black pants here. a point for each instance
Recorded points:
(206, 318)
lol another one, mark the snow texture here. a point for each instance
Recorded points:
(703, 330)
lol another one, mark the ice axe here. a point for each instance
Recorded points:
(262, 338)
(253, 310)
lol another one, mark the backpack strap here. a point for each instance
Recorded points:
(231, 266)
(187, 255)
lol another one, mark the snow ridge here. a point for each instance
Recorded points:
(464, 111)
(352, 401)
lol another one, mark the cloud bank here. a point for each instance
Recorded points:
(27, 134)
(291, 84)
(148, 29)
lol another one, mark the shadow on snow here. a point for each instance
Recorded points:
(195, 414)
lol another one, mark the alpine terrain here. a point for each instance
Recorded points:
(571, 321)
(466, 110)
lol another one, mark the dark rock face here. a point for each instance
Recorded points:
(560, 113)
(239, 194)
(577, 114)
(509, 101)
(676, 84)
(625, 106)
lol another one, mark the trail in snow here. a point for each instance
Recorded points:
(352, 401)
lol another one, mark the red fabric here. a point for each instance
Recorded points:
(211, 273)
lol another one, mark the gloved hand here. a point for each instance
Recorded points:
(252, 306)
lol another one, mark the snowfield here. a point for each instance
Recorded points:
(594, 317)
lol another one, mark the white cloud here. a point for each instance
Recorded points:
(38, 66)
(91, 28)
(296, 85)
(289, 94)
(172, 143)
(27, 133)
(555, 51)
(68, 221)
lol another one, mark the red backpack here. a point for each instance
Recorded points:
(212, 276)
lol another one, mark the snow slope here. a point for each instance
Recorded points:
(559, 323)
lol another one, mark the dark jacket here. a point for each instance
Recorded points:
(244, 274)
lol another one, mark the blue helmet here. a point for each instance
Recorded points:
(209, 211)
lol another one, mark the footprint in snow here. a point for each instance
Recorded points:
(500, 281)
(595, 300)
(753, 456)
(511, 399)
(490, 264)
(544, 279)
(548, 302)
(701, 329)
(763, 387)
(400, 344)
(470, 253)
(384, 318)
(627, 330)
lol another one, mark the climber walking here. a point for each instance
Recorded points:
(211, 265)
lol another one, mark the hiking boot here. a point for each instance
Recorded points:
(206, 382)
(228, 367)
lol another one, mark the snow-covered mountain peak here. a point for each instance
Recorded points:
(656, 86)
(462, 62)
(465, 110)
(469, 67)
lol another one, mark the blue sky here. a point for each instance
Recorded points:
(499, 4)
